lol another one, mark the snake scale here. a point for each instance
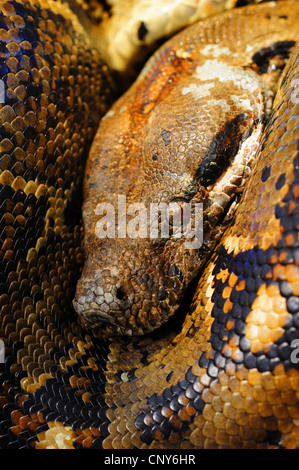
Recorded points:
(221, 372)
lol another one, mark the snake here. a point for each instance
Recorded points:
(194, 352)
(130, 31)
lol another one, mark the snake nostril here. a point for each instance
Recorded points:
(122, 293)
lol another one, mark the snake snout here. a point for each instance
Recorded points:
(130, 287)
(107, 306)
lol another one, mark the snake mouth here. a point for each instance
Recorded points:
(93, 316)
(103, 325)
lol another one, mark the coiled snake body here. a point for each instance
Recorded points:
(224, 375)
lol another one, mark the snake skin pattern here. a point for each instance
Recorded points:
(223, 376)
(131, 29)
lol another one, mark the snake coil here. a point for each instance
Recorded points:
(224, 376)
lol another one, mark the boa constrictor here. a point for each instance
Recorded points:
(222, 372)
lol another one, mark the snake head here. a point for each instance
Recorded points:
(191, 140)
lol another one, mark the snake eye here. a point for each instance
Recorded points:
(177, 212)
(175, 209)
